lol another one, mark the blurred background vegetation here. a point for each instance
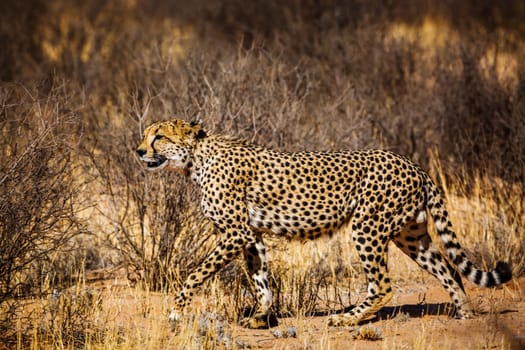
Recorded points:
(442, 82)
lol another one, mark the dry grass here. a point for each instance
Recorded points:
(443, 85)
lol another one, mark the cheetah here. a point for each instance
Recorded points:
(248, 190)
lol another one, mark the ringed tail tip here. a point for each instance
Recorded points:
(504, 271)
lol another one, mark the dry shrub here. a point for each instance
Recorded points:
(314, 277)
(38, 194)
(409, 76)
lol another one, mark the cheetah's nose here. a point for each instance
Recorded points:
(141, 152)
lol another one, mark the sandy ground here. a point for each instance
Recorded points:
(413, 323)
(416, 318)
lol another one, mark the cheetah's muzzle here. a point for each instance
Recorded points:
(157, 162)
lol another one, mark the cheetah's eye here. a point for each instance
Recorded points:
(158, 137)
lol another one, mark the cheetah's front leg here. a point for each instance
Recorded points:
(225, 252)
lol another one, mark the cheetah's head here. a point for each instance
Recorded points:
(169, 143)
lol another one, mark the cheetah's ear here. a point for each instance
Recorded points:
(200, 134)
(197, 129)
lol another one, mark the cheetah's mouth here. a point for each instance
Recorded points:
(157, 162)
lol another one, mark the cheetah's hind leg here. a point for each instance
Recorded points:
(374, 261)
(415, 242)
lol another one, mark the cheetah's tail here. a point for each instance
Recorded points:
(499, 275)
